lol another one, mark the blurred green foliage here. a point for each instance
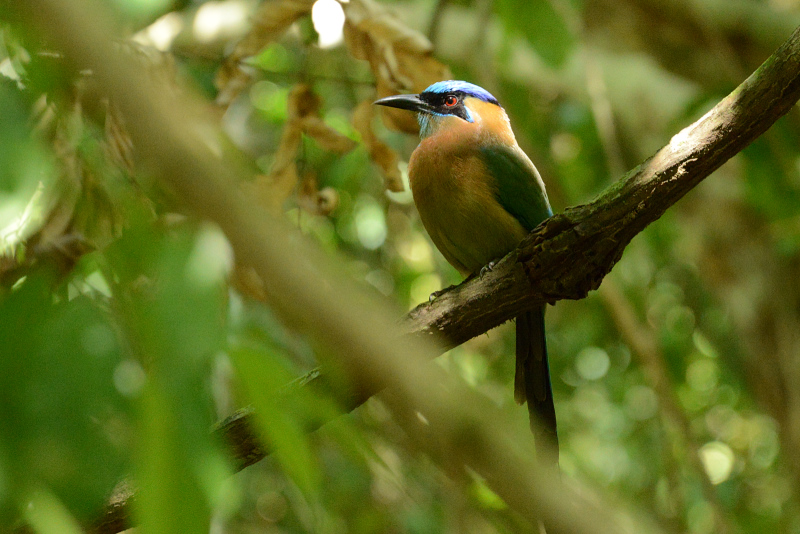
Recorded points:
(123, 339)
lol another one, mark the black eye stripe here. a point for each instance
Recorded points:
(438, 100)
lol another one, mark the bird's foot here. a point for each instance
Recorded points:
(489, 267)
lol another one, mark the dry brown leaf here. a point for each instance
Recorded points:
(303, 101)
(118, 144)
(317, 201)
(395, 119)
(246, 281)
(327, 200)
(271, 190)
(304, 108)
(383, 156)
(400, 58)
(358, 42)
(383, 27)
(270, 21)
(326, 136)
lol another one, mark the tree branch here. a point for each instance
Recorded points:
(569, 254)
(565, 257)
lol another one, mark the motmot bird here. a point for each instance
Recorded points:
(478, 195)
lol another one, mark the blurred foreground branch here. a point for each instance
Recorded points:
(564, 258)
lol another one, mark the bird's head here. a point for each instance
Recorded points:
(448, 104)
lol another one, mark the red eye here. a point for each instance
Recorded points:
(450, 101)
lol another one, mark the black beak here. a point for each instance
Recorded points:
(409, 102)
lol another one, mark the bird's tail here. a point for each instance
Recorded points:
(532, 384)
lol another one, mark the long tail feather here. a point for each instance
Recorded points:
(532, 384)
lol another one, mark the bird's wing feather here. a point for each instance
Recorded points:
(519, 187)
(521, 193)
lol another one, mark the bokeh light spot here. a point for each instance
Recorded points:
(717, 460)
(328, 19)
(129, 378)
(592, 363)
(370, 225)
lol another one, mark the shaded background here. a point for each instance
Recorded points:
(127, 331)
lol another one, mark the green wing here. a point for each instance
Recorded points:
(519, 187)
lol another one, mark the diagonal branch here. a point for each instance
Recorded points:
(565, 257)
(569, 254)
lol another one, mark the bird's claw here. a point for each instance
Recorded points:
(436, 295)
(489, 267)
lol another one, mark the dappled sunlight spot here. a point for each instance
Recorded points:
(370, 224)
(262, 94)
(162, 32)
(405, 196)
(422, 287)
(416, 251)
(93, 285)
(684, 137)
(328, 19)
(211, 259)
(48, 514)
(592, 363)
(271, 100)
(19, 216)
(702, 375)
(217, 20)
(608, 461)
(388, 482)
(129, 378)
(764, 443)
(703, 344)
(718, 459)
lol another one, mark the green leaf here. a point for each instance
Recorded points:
(47, 515)
(169, 291)
(170, 499)
(263, 376)
(57, 397)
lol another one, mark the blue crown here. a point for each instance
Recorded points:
(458, 86)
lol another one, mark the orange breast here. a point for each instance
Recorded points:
(456, 198)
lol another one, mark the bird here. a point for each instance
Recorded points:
(478, 195)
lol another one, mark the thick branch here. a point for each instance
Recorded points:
(570, 253)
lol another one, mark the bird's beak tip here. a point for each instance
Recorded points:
(409, 102)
